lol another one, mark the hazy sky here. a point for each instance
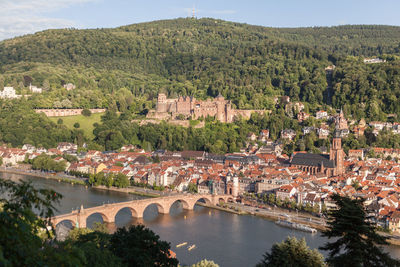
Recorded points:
(18, 17)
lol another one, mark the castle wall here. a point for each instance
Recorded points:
(205, 108)
(183, 106)
(66, 112)
(166, 105)
(244, 113)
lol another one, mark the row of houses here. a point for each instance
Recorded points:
(379, 126)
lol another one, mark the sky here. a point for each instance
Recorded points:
(19, 17)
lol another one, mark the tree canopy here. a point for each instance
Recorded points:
(124, 68)
(356, 241)
(290, 253)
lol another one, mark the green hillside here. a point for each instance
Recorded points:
(124, 68)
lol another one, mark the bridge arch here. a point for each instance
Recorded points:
(133, 211)
(185, 204)
(161, 209)
(203, 199)
(65, 221)
(221, 200)
(121, 215)
(102, 214)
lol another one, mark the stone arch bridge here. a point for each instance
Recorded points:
(137, 207)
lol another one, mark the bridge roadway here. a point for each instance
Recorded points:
(137, 207)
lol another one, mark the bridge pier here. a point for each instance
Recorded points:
(163, 212)
(81, 221)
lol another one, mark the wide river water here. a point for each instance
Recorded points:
(228, 239)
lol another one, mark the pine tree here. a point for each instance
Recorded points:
(292, 252)
(357, 242)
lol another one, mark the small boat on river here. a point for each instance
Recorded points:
(192, 247)
(297, 226)
(181, 244)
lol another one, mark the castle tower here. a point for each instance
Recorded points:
(221, 108)
(228, 112)
(337, 155)
(161, 103)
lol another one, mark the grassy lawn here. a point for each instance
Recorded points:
(86, 123)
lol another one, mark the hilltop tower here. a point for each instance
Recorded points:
(337, 155)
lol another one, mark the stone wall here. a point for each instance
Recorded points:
(184, 105)
(66, 112)
(246, 113)
(184, 123)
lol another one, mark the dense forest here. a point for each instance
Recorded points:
(182, 57)
(250, 65)
(368, 91)
(124, 68)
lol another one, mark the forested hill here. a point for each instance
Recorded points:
(356, 40)
(126, 67)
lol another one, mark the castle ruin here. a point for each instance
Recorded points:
(218, 107)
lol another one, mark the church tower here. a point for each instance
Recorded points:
(337, 155)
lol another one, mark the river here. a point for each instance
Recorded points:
(228, 239)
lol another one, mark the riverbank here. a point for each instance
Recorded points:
(69, 180)
(221, 208)
(128, 190)
(73, 181)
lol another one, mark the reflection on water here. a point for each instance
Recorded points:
(228, 239)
